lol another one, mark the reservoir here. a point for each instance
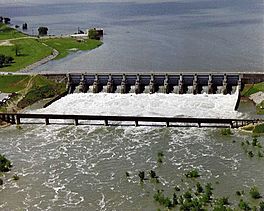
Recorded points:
(153, 36)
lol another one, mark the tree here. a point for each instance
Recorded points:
(24, 26)
(93, 34)
(5, 60)
(43, 31)
(2, 60)
(17, 48)
(9, 59)
(7, 20)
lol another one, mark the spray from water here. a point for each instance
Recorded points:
(164, 105)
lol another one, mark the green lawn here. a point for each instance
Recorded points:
(31, 51)
(65, 45)
(9, 33)
(251, 89)
(13, 83)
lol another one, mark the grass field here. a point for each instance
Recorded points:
(252, 89)
(13, 83)
(30, 52)
(9, 33)
(65, 45)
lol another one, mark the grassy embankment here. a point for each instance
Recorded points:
(33, 49)
(252, 89)
(67, 45)
(9, 33)
(29, 89)
(248, 90)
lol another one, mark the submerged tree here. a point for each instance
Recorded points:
(43, 31)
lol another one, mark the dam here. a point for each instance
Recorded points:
(178, 83)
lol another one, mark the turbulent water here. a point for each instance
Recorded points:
(64, 167)
(160, 35)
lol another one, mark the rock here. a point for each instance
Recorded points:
(257, 97)
(1, 182)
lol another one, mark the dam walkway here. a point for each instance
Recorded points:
(16, 118)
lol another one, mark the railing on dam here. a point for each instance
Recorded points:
(15, 118)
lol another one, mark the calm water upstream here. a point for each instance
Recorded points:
(193, 35)
(63, 167)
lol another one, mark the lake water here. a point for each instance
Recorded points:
(193, 35)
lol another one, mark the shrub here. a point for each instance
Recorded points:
(162, 200)
(251, 154)
(244, 205)
(174, 200)
(199, 188)
(226, 131)
(152, 174)
(192, 174)
(160, 154)
(254, 142)
(15, 177)
(260, 155)
(223, 201)
(188, 196)
(238, 193)
(141, 175)
(261, 206)
(254, 193)
(5, 164)
(259, 128)
(177, 188)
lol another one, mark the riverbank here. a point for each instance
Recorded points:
(255, 92)
(27, 90)
(29, 52)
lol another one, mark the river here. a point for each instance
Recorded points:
(64, 167)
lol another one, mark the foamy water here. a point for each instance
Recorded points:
(83, 168)
(169, 105)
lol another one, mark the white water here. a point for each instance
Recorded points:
(169, 105)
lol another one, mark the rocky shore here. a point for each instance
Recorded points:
(257, 98)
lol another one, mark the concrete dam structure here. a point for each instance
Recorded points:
(151, 83)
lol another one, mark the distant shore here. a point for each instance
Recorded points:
(29, 52)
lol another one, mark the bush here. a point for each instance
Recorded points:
(15, 177)
(192, 174)
(254, 193)
(223, 201)
(199, 188)
(141, 175)
(162, 200)
(243, 205)
(152, 174)
(5, 164)
(226, 131)
(261, 206)
(259, 128)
